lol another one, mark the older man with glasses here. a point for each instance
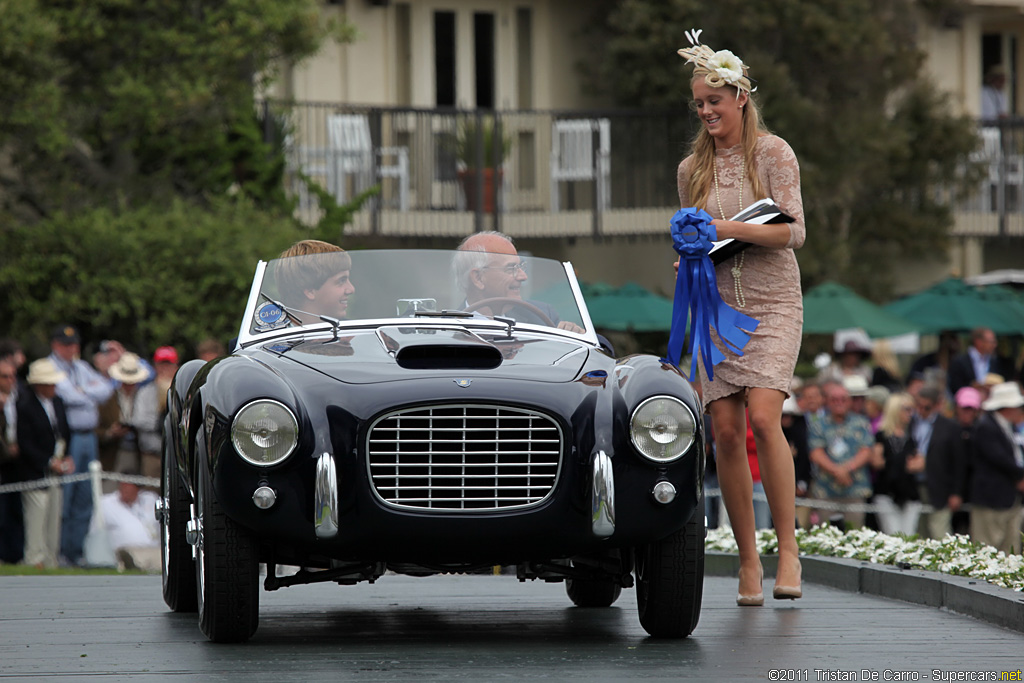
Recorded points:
(942, 483)
(840, 445)
(487, 268)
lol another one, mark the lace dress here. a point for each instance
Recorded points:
(760, 282)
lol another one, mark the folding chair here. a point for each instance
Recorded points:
(352, 154)
(572, 156)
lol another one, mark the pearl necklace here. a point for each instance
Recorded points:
(737, 269)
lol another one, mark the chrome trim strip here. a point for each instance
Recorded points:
(325, 497)
(603, 496)
(591, 334)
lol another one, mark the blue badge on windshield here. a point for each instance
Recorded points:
(269, 316)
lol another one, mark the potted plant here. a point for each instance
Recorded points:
(481, 148)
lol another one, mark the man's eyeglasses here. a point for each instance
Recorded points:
(7, 376)
(510, 269)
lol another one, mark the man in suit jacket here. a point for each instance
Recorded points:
(970, 369)
(998, 471)
(43, 436)
(938, 439)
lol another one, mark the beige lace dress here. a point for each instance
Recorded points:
(760, 282)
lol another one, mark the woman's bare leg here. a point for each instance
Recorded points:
(776, 463)
(729, 422)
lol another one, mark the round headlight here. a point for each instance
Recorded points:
(265, 432)
(662, 428)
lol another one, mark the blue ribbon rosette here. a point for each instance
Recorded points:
(697, 297)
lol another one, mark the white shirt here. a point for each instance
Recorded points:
(131, 525)
(993, 103)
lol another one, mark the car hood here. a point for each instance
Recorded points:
(396, 353)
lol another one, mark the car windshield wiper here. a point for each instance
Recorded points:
(443, 314)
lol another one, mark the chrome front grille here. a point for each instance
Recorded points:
(467, 458)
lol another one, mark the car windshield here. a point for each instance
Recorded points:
(356, 288)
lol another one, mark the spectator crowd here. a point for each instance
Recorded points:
(59, 414)
(934, 451)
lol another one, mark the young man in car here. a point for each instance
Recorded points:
(314, 279)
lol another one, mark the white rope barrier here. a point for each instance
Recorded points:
(819, 504)
(20, 486)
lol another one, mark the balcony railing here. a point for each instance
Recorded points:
(542, 173)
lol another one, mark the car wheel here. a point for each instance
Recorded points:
(227, 571)
(592, 592)
(178, 567)
(670, 580)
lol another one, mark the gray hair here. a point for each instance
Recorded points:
(469, 258)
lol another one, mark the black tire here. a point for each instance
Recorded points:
(227, 570)
(592, 592)
(177, 566)
(670, 580)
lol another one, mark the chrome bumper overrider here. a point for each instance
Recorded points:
(603, 496)
(325, 514)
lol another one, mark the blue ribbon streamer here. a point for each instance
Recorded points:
(697, 297)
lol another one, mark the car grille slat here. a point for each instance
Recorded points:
(464, 458)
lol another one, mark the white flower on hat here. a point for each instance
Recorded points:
(727, 66)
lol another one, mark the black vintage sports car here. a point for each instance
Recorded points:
(416, 433)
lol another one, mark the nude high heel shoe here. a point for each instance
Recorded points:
(791, 592)
(755, 600)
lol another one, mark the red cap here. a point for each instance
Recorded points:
(165, 354)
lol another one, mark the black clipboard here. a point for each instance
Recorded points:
(761, 212)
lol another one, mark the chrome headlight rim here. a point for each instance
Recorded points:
(682, 447)
(245, 450)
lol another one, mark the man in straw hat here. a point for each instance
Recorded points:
(998, 479)
(138, 423)
(43, 435)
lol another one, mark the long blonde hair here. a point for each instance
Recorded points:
(891, 420)
(703, 148)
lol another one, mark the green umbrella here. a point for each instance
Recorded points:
(830, 306)
(1007, 301)
(952, 305)
(630, 307)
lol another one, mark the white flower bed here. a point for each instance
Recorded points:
(952, 555)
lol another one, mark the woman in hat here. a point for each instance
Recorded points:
(735, 161)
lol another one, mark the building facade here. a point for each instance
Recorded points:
(401, 104)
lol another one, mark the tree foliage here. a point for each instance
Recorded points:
(154, 275)
(131, 101)
(842, 82)
(139, 181)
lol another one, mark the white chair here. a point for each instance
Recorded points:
(1005, 172)
(572, 156)
(351, 154)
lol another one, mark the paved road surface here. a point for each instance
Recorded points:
(488, 628)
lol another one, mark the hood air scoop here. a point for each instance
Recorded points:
(431, 348)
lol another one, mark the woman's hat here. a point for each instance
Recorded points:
(128, 370)
(878, 394)
(968, 397)
(44, 371)
(855, 385)
(1005, 395)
